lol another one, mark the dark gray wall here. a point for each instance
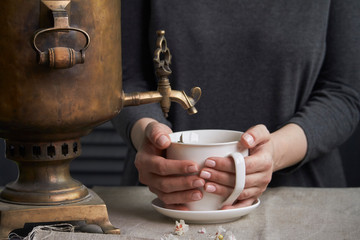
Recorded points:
(8, 169)
(350, 152)
(102, 159)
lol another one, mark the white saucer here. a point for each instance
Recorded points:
(204, 217)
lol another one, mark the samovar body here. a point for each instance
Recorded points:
(41, 103)
(60, 75)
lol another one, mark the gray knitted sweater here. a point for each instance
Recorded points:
(257, 61)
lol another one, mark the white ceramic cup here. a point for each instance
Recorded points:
(198, 145)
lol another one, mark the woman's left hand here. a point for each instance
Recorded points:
(220, 172)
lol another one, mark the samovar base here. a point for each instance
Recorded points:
(91, 210)
(44, 173)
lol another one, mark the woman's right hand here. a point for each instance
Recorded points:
(167, 178)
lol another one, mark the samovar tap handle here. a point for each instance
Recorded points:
(164, 94)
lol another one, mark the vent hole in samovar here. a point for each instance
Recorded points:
(11, 150)
(51, 151)
(22, 150)
(64, 149)
(75, 147)
(36, 150)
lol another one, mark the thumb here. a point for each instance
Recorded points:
(255, 135)
(158, 134)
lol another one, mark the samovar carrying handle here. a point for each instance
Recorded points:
(60, 57)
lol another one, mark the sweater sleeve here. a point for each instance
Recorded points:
(332, 112)
(138, 72)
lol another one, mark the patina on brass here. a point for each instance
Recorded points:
(51, 96)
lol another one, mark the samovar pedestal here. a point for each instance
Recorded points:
(92, 210)
(44, 190)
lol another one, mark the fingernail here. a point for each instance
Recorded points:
(205, 174)
(196, 196)
(162, 140)
(192, 169)
(210, 163)
(210, 188)
(248, 138)
(198, 183)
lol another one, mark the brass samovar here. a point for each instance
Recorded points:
(51, 95)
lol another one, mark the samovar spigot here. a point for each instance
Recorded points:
(164, 94)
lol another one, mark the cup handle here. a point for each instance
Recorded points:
(240, 178)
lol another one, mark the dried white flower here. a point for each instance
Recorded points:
(202, 230)
(181, 227)
(220, 233)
